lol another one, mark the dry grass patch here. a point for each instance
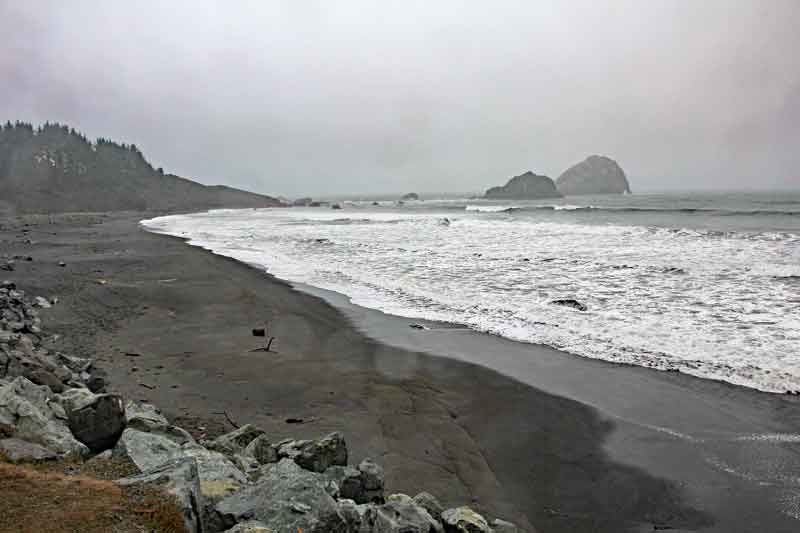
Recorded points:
(35, 500)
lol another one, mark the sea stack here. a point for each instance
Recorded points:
(525, 186)
(596, 174)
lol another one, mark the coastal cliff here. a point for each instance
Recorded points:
(527, 185)
(54, 168)
(594, 175)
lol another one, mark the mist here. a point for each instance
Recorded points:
(318, 98)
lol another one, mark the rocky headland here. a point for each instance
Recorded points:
(594, 175)
(54, 168)
(525, 186)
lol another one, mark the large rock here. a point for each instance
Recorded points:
(286, 498)
(30, 412)
(219, 477)
(235, 441)
(148, 418)
(355, 516)
(76, 364)
(362, 485)
(464, 520)
(22, 451)
(431, 504)
(316, 455)
(525, 186)
(373, 479)
(144, 417)
(262, 450)
(179, 478)
(99, 423)
(594, 175)
(146, 450)
(401, 514)
(347, 481)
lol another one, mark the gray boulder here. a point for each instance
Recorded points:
(144, 416)
(359, 518)
(75, 364)
(179, 478)
(248, 466)
(99, 423)
(316, 455)
(261, 450)
(286, 498)
(29, 412)
(362, 485)
(41, 376)
(373, 479)
(464, 520)
(401, 514)
(21, 451)
(347, 481)
(594, 175)
(219, 477)
(146, 450)
(148, 418)
(431, 504)
(235, 441)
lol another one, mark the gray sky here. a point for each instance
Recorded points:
(304, 97)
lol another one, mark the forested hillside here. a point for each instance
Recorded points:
(54, 168)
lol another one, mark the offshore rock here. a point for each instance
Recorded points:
(525, 186)
(594, 175)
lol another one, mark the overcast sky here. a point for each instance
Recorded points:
(318, 98)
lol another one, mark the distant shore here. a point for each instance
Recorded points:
(171, 323)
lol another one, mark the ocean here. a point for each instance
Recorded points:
(707, 284)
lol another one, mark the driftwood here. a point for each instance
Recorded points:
(227, 417)
(262, 332)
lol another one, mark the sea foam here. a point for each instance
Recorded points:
(709, 303)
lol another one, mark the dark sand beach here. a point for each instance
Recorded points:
(569, 445)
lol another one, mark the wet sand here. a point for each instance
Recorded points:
(569, 445)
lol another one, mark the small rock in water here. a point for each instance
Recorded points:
(569, 302)
(417, 326)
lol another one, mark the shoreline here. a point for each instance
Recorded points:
(452, 426)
